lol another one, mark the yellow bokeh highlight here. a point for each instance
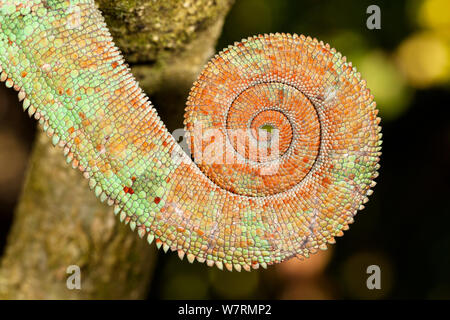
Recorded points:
(424, 59)
(434, 14)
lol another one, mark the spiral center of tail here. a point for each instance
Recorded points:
(264, 142)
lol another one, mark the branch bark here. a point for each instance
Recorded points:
(58, 221)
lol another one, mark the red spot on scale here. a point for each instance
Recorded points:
(157, 200)
(128, 190)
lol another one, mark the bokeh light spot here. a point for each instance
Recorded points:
(386, 83)
(310, 268)
(434, 14)
(424, 59)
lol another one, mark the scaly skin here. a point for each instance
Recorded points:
(61, 58)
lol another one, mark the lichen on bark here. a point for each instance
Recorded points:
(153, 30)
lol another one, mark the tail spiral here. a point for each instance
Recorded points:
(283, 131)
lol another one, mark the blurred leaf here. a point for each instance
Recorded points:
(386, 83)
(252, 17)
(349, 43)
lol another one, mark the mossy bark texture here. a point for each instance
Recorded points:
(58, 221)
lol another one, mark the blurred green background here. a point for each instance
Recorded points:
(405, 226)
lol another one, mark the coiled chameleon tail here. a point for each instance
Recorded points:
(296, 119)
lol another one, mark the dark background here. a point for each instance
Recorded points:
(405, 226)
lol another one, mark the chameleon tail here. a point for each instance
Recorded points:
(283, 130)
